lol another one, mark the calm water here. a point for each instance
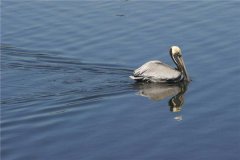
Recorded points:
(65, 91)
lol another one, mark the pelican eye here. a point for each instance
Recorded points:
(179, 55)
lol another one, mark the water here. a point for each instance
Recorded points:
(65, 91)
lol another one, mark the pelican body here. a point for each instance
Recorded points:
(157, 71)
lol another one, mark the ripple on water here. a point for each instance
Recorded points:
(66, 92)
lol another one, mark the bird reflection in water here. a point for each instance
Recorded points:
(160, 91)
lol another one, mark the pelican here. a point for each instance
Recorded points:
(157, 71)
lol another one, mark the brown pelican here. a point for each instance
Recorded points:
(156, 71)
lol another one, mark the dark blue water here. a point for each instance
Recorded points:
(66, 94)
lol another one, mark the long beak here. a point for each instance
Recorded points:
(183, 69)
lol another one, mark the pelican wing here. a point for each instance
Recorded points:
(156, 71)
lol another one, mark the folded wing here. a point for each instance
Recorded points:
(156, 71)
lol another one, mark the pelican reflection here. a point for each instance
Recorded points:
(160, 91)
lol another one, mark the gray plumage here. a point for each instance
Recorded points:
(156, 71)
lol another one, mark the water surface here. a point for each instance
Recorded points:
(65, 91)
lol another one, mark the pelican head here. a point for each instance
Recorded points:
(176, 55)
